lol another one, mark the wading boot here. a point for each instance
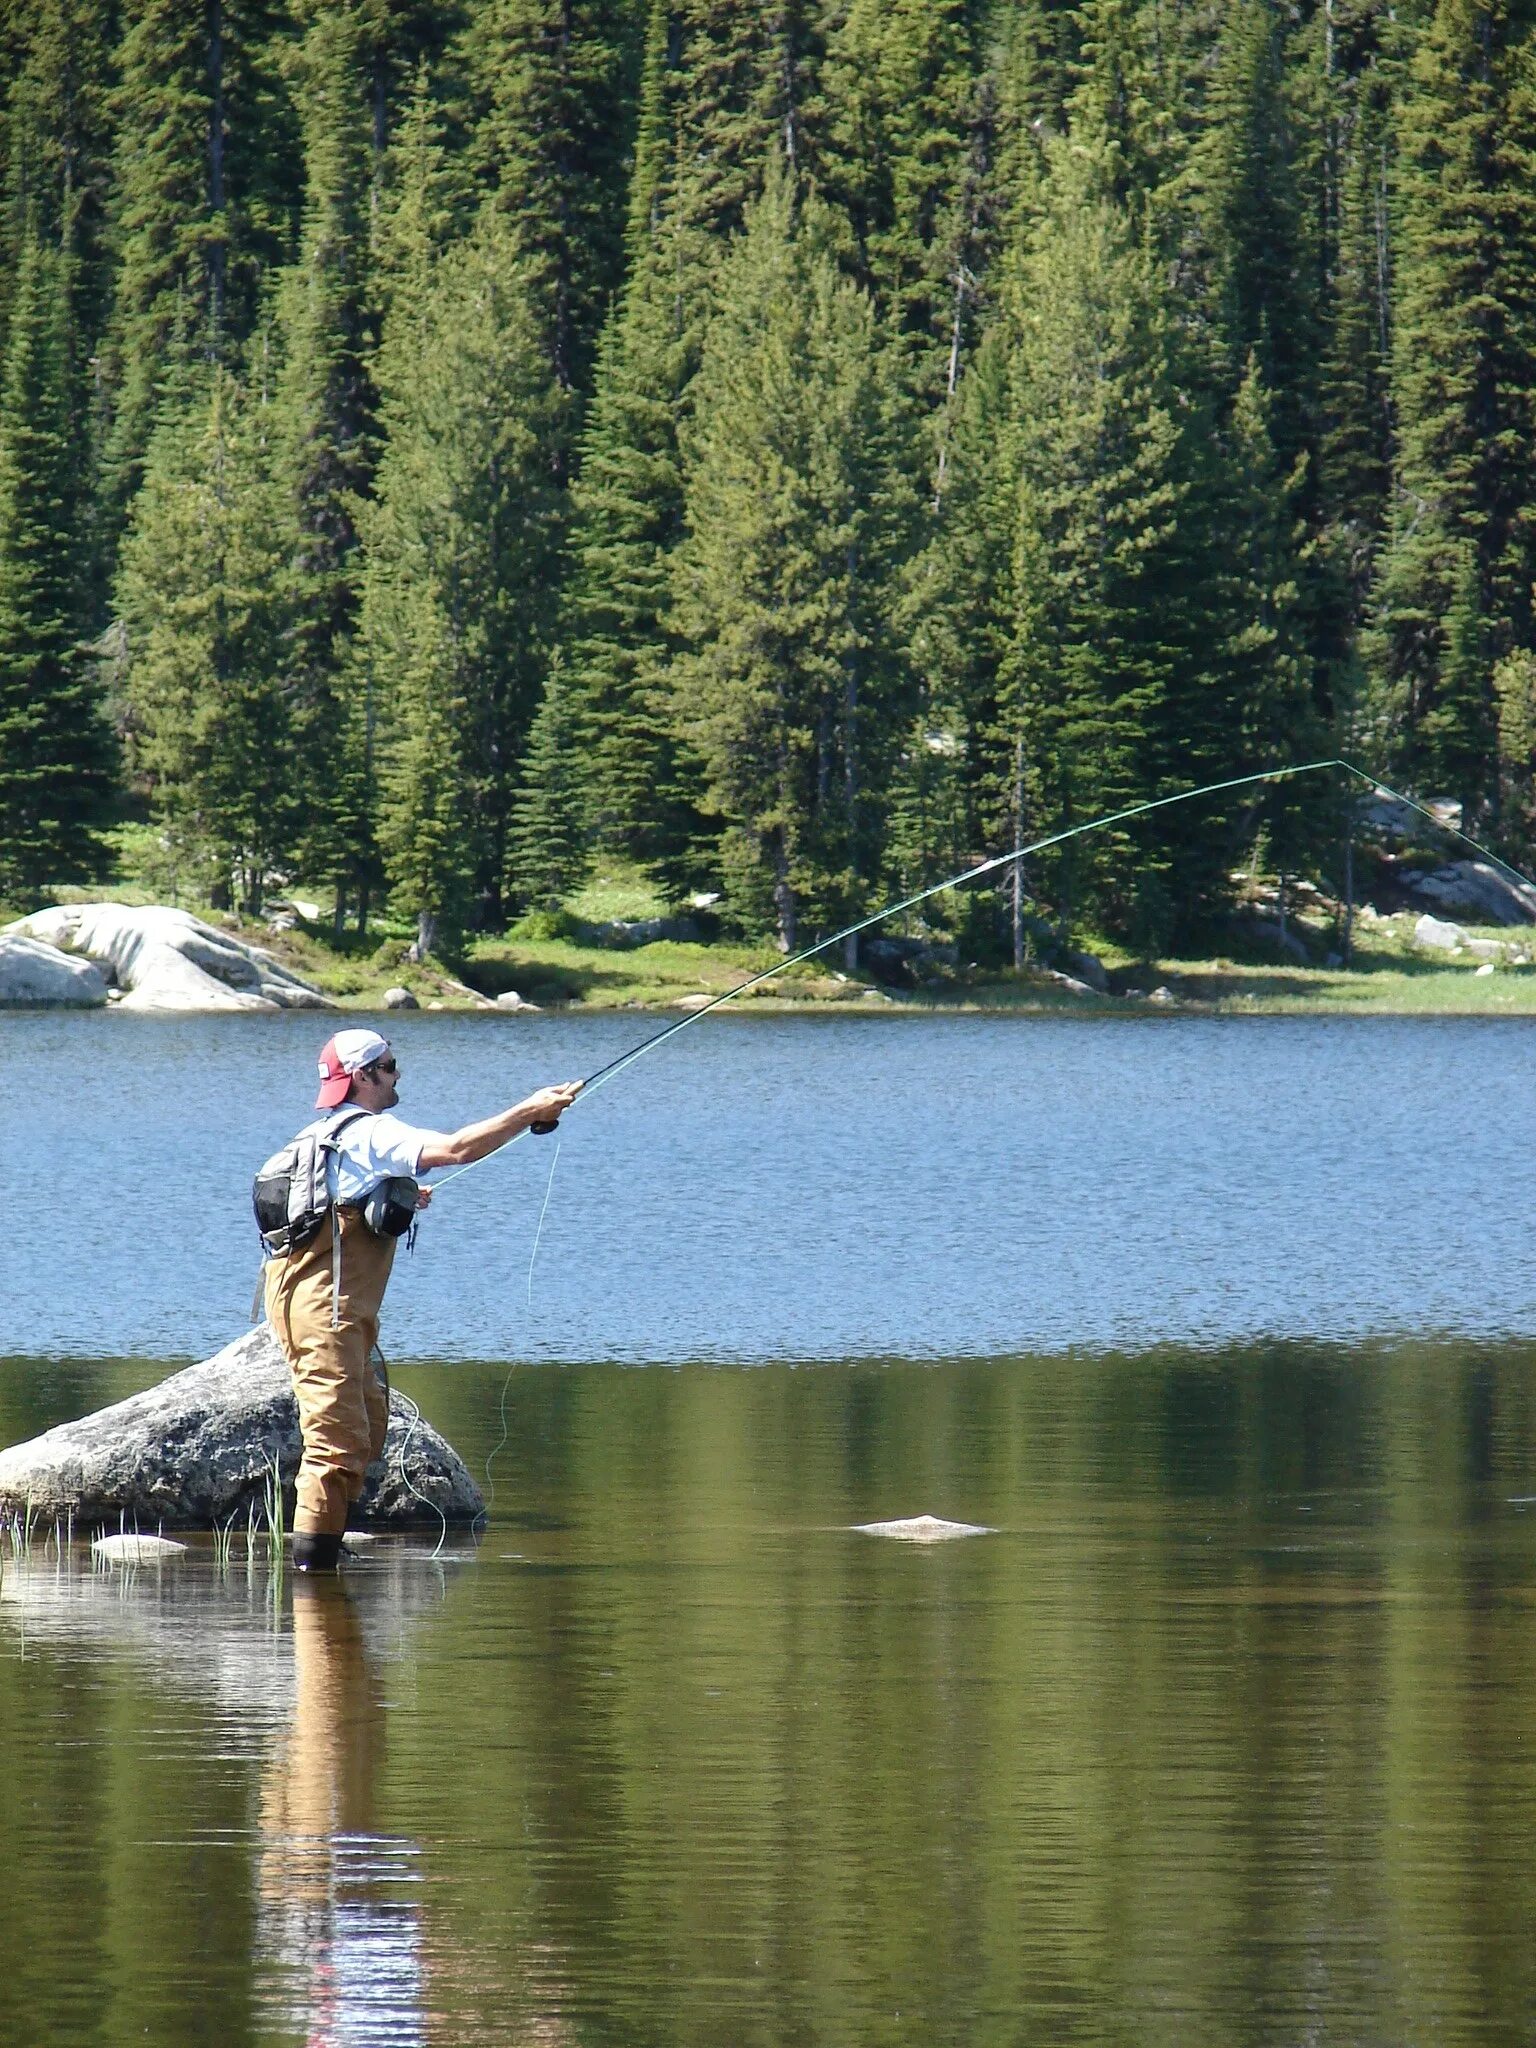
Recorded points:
(317, 1552)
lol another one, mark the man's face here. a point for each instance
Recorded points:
(378, 1086)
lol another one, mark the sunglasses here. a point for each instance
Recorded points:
(389, 1066)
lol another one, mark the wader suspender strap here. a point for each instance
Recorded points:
(335, 1265)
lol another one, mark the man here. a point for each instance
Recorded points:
(323, 1299)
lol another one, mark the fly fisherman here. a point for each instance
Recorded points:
(323, 1292)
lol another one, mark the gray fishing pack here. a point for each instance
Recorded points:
(289, 1194)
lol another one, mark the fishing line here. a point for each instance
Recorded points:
(394, 1393)
(506, 1385)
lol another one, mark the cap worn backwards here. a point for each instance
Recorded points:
(340, 1058)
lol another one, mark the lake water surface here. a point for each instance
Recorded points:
(807, 1187)
(1222, 1736)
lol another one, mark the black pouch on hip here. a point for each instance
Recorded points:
(389, 1210)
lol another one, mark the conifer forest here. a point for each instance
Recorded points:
(797, 447)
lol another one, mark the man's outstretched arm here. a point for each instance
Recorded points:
(476, 1141)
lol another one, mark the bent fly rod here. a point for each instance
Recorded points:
(602, 1075)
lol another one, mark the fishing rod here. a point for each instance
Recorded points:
(602, 1075)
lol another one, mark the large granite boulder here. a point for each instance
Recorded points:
(197, 1449)
(33, 976)
(1473, 889)
(166, 959)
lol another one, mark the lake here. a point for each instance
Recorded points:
(821, 1186)
(1222, 1735)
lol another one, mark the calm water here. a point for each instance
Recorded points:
(811, 1187)
(1223, 1736)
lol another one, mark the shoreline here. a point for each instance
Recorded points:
(1488, 973)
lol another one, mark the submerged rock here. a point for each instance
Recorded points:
(136, 1549)
(198, 1449)
(169, 960)
(923, 1529)
(36, 975)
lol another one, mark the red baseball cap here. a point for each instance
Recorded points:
(340, 1059)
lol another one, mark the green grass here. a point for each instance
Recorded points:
(620, 894)
(1388, 975)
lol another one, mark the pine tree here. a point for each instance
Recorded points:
(1264, 655)
(1106, 694)
(957, 611)
(788, 686)
(1352, 425)
(324, 411)
(57, 758)
(1246, 190)
(548, 854)
(723, 85)
(902, 121)
(202, 598)
(554, 82)
(202, 168)
(460, 572)
(57, 151)
(1455, 589)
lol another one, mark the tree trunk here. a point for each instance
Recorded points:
(1016, 875)
(1347, 928)
(784, 897)
(426, 933)
(216, 162)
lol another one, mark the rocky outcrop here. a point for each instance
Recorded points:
(1473, 889)
(197, 1449)
(36, 976)
(165, 959)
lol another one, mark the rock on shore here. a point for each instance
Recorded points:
(167, 959)
(35, 976)
(196, 1449)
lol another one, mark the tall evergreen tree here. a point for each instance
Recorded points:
(1456, 581)
(459, 579)
(57, 141)
(554, 82)
(56, 754)
(202, 165)
(787, 684)
(324, 410)
(548, 854)
(894, 148)
(1108, 692)
(723, 86)
(1351, 430)
(1253, 226)
(949, 801)
(201, 592)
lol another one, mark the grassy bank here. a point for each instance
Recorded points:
(1388, 973)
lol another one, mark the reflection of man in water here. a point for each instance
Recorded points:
(336, 1900)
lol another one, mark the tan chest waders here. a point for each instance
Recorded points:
(323, 1303)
